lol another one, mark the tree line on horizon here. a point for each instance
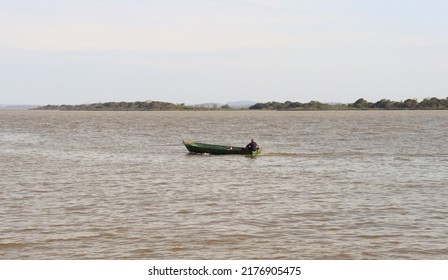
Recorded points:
(433, 103)
(124, 106)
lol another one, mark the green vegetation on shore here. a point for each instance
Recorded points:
(126, 106)
(360, 104)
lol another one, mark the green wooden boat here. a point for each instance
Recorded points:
(195, 147)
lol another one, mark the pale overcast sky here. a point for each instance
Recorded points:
(195, 51)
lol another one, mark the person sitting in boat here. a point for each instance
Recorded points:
(252, 146)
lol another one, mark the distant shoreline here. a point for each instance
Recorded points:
(433, 103)
(16, 107)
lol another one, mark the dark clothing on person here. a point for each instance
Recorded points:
(252, 146)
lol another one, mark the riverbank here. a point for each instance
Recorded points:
(433, 103)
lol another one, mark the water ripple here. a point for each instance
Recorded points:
(120, 185)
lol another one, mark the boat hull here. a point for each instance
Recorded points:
(195, 147)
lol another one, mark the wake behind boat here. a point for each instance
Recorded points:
(195, 147)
